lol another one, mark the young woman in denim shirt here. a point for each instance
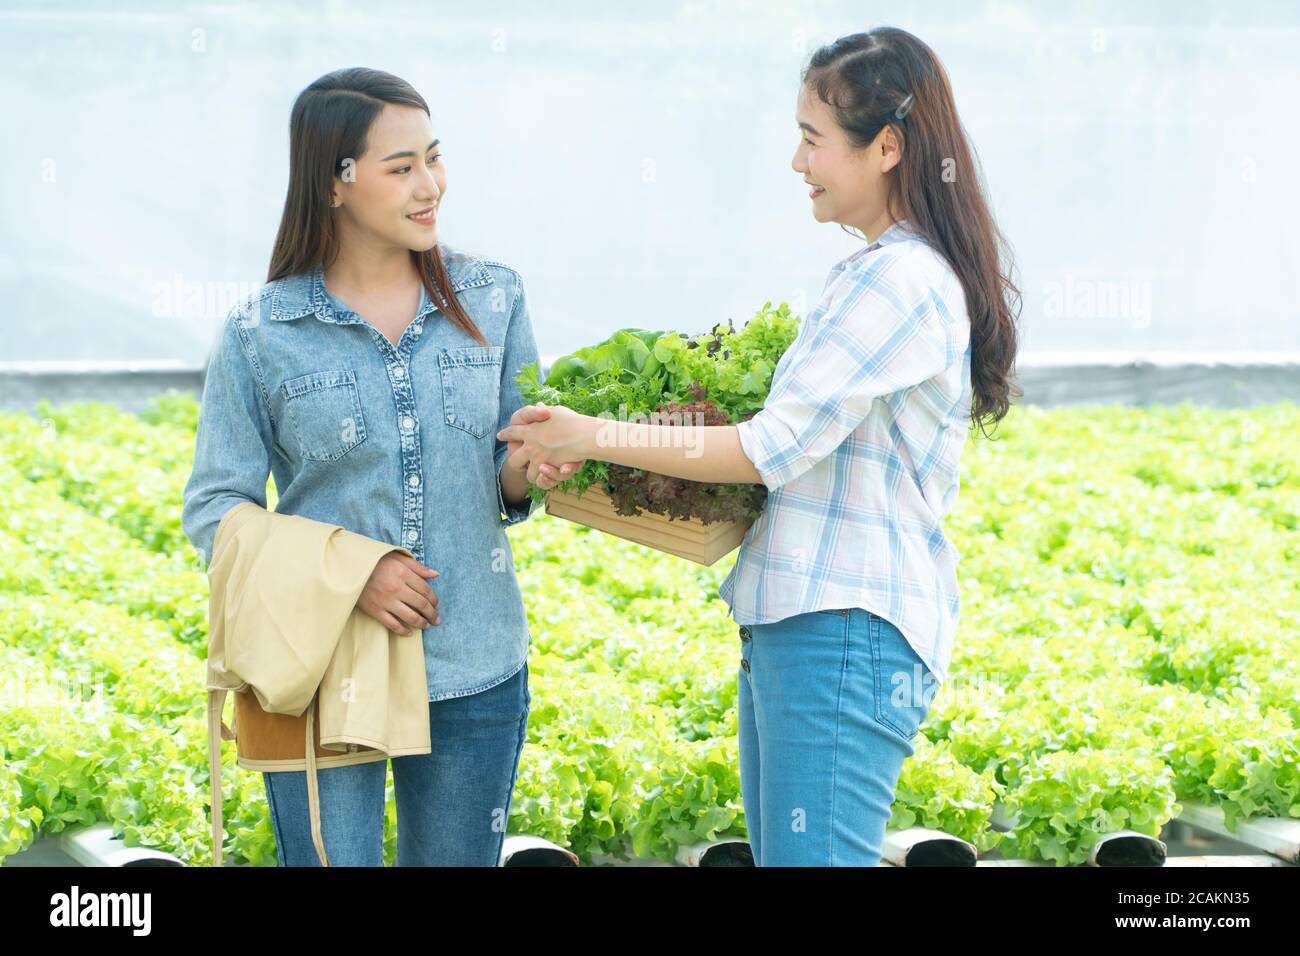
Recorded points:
(376, 361)
(845, 589)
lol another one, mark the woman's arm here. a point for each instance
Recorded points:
(514, 485)
(880, 333)
(232, 450)
(520, 349)
(694, 452)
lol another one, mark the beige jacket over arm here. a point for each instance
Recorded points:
(317, 681)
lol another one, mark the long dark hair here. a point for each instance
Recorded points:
(867, 79)
(328, 125)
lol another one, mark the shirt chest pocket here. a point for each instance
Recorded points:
(323, 412)
(471, 388)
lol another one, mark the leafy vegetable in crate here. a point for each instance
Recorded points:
(670, 378)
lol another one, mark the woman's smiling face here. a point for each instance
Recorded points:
(847, 185)
(400, 174)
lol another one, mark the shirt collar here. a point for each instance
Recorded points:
(897, 232)
(304, 293)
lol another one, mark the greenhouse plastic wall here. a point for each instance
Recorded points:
(1050, 380)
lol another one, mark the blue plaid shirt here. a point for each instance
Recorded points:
(859, 445)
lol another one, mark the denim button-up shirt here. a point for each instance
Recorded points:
(397, 443)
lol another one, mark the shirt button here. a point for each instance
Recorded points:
(408, 422)
(411, 535)
(398, 372)
(413, 481)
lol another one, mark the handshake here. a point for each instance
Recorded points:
(545, 442)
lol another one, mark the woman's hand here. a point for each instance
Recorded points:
(397, 594)
(547, 457)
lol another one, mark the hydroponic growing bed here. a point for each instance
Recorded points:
(1128, 648)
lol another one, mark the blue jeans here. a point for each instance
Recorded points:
(828, 704)
(452, 803)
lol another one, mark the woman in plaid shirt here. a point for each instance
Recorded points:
(845, 589)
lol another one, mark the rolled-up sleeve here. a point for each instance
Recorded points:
(881, 332)
(520, 349)
(232, 450)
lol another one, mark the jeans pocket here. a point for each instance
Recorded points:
(902, 684)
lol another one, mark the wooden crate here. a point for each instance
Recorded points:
(690, 538)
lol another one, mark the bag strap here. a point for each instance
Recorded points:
(313, 792)
(218, 731)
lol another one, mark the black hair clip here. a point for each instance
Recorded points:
(904, 106)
